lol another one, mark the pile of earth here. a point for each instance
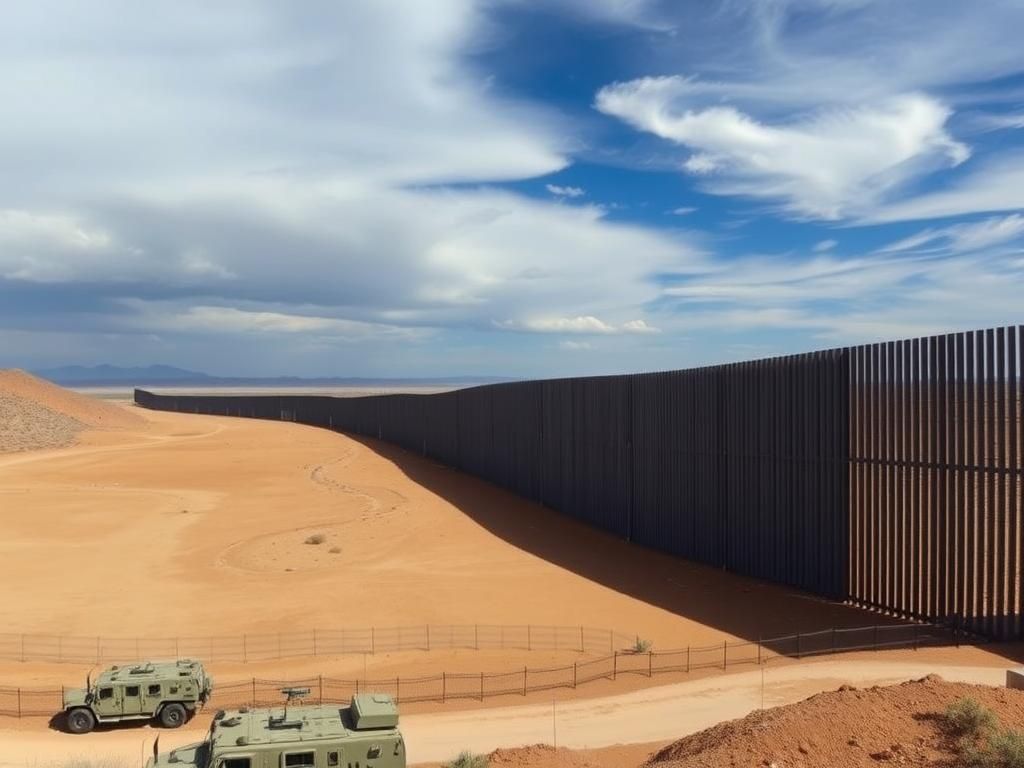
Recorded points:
(898, 725)
(36, 414)
(892, 725)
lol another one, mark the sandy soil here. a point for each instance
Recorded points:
(200, 522)
(35, 414)
(606, 727)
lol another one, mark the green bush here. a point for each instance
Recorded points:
(641, 646)
(1006, 749)
(968, 720)
(467, 759)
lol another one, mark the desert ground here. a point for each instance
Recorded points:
(125, 523)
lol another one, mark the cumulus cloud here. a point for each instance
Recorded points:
(823, 165)
(558, 191)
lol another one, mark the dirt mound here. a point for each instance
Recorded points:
(895, 725)
(37, 414)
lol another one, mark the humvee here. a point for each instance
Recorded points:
(168, 692)
(363, 734)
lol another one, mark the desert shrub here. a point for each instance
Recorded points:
(467, 759)
(316, 538)
(1005, 749)
(335, 550)
(641, 646)
(967, 719)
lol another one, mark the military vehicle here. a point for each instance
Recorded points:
(168, 692)
(363, 734)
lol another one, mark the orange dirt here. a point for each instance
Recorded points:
(36, 414)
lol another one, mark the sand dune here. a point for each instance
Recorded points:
(35, 414)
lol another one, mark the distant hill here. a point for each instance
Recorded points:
(169, 376)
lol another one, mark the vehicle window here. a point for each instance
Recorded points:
(236, 762)
(332, 759)
(154, 690)
(300, 760)
(131, 690)
(106, 693)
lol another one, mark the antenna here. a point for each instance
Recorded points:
(291, 694)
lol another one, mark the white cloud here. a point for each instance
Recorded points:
(638, 326)
(824, 165)
(683, 211)
(962, 238)
(995, 185)
(558, 191)
(825, 245)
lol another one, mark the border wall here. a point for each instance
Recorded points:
(886, 474)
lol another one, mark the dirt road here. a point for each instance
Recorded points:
(650, 715)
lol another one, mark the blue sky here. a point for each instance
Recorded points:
(501, 186)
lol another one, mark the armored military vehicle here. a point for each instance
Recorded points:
(168, 692)
(363, 734)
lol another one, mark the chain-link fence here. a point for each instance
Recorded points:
(330, 642)
(447, 686)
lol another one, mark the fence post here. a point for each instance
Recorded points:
(524, 681)
(321, 689)
(650, 663)
(481, 686)
(444, 687)
(19, 703)
(574, 675)
(615, 664)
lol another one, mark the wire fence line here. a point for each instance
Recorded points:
(315, 642)
(448, 686)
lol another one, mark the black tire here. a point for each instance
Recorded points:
(81, 720)
(173, 716)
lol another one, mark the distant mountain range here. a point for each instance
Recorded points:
(168, 376)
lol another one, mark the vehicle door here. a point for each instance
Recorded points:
(131, 699)
(152, 695)
(108, 701)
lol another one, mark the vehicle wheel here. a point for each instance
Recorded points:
(81, 720)
(172, 715)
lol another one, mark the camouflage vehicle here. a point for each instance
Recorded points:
(363, 734)
(168, 692)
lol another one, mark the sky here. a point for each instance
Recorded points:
(503, 187)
